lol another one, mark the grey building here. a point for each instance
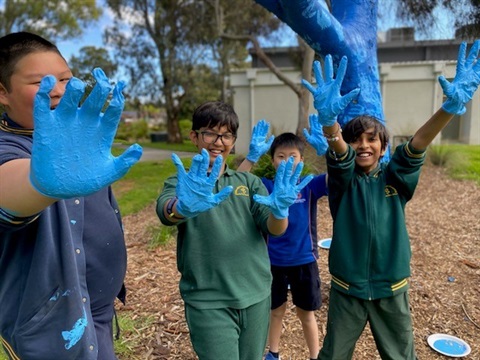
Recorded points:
(410, 90)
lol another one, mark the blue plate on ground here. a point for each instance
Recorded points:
(325, 243)
(448, 345)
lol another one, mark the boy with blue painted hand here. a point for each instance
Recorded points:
(221, 217)
(62, 249)
(369, 257)
(293, 255)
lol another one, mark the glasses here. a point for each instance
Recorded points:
(211, 137)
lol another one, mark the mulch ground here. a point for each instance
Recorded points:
(444, 225)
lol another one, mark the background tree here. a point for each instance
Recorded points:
(89, 58)
(166, 47)
(246, 27)
(53, 19)
(422, 14)
(160, 43)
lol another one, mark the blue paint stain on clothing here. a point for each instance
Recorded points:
(55, 296)
(73, 336)
(73, 222)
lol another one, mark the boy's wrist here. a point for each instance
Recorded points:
(171, 209)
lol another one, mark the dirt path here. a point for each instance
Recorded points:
(444, 225)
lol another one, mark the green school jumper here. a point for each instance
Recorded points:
(223, 259)
(369, 258)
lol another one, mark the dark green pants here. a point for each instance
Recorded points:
(389, 320)
(233, 334)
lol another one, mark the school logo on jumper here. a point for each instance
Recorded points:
(390, 191)
(241, 190)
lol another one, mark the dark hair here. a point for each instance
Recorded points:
(358, 125)
(215, 113)
(14, 47)
(287, 140)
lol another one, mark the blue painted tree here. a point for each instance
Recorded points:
(350, 29)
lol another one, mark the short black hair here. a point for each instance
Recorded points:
(215, 113)
(357, 126)
(14, 47)
(287, 140)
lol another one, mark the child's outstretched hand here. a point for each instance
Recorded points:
(71, 154)
(315, 137)
(194, 189)
(285, 189)
(327, 99)
(466, 81)
(259, 144)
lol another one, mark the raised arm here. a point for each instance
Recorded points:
(329, 103)
(459, 92)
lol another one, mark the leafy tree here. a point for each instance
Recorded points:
(168, 46)
(247, 29)
(53, 19)
(89, 58)
(154, 40)
(422, 14)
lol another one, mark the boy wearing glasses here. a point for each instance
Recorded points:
(221, 215)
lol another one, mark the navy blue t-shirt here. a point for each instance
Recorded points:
(60, 271)
(298, 245)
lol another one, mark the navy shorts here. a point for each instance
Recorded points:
(304, 281)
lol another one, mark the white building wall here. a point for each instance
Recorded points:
(410, 92)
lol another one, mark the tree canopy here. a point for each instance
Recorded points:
(53, 19)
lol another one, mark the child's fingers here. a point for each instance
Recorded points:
(128, 158)
(447, 87)
(41, 105)
(179, 165)
(222, 195)
(328, 67)
(263, 200)
(68, 106)
(342, 68)
(304, 182)
(95, 101)
(308, 86)
(317, 71)
(216, 168)
(296, 175)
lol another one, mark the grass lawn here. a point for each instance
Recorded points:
(461, 161)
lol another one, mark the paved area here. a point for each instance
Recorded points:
(150, 154)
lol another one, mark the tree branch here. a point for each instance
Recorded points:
(265, 59)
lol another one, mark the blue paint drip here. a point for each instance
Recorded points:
(55, 296)
(73, 222)
(73, 336)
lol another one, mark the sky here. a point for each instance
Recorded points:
(93, 35)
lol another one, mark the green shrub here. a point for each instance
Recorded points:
(185, 127)
(132, 131)
(440, 155)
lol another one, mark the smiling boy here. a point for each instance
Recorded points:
(369, 257)
(221, 216)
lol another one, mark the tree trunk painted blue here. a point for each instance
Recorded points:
(349, 29)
